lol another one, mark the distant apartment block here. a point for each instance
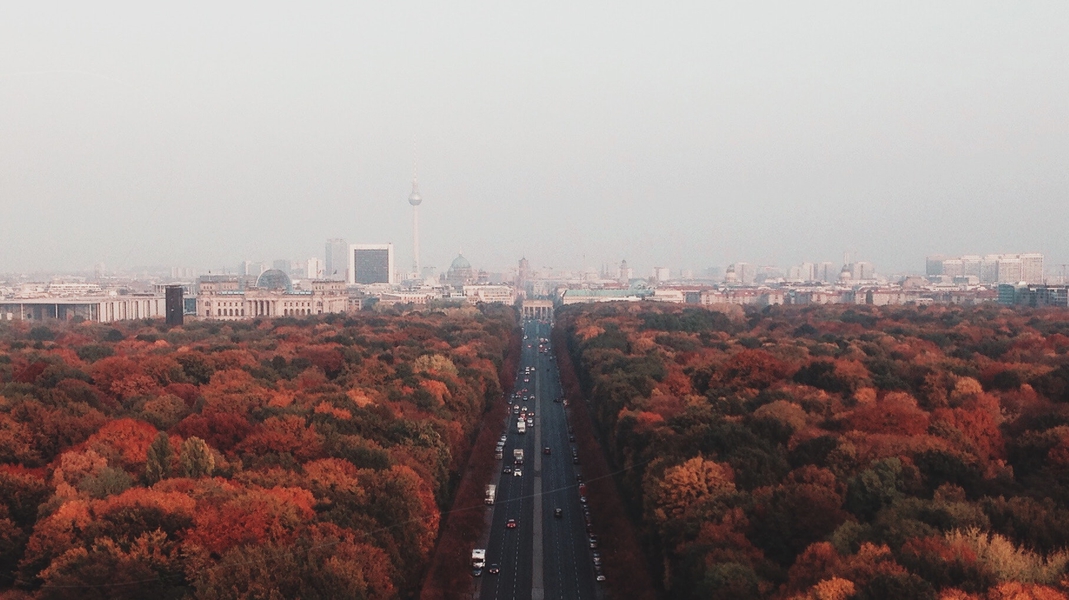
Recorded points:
(990, 268)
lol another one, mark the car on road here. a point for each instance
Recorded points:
(517, 473)
(507, 469)
(558, 513)
(476, 572)
(546, 450)
(571, 438)
(493, 569)
(593, 541)
(530, 422)
(511, 524)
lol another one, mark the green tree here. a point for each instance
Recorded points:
(875, 488)
(160, 455)
(197, 459)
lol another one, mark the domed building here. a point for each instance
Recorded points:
(845, 275)
(731, 278)
(274, 279)
(460, 272)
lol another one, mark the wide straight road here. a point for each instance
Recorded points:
(544, 557)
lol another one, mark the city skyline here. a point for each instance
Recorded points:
(690, 137)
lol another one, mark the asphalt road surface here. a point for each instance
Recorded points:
(544, 557)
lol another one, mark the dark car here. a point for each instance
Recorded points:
(558, 513)
(493, 569)
(476, 572)
(511, 524)
(546, 450)
(507, 469)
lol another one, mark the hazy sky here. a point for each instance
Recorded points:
(576, 133)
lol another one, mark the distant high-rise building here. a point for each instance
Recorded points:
(1032, 268)
(827, 272)
(251, 268)
(314, 268)
(337, 260)
(953, 267)
(933, 265)
(863, 270)
(175, 306)
(180, 273)
(371, 263)
(745, 273)
(1009, 269)
(661, 274)
(991, 268)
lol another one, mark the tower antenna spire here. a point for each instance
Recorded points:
(415, 200)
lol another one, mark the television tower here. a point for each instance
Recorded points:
(415, 199)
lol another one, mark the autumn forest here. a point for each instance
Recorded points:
(833, 453)
(278, 458)
(784, 453)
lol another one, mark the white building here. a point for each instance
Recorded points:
(102, 309)
(227, 301)
(503, 294)
(314, 269)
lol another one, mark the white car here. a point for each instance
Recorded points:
(517, 472)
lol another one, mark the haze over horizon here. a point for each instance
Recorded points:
(685, 136)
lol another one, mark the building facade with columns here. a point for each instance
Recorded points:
(102, 309)
(226, 301)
